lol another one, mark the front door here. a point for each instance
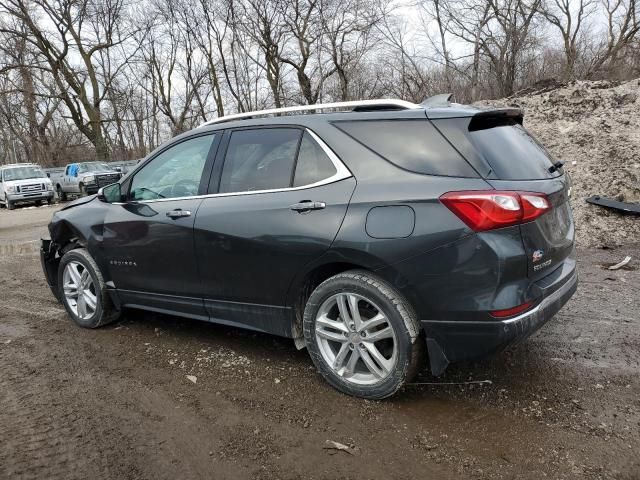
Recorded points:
(148, 240)
(281, 200)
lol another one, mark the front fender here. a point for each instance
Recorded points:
(81, 224)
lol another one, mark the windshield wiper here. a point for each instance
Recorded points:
(556, 166)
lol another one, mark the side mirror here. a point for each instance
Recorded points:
(49, 175)
(118, 169)
(110, 194)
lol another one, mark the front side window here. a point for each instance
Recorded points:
(259, 159)
(174, 173)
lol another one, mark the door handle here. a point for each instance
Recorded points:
(178, 213)
(307, 205)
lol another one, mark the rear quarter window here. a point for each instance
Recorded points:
(413, 145)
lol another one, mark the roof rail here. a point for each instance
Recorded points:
(358, 105)
(441, 100)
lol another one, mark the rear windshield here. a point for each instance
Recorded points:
(505, 147)
(413, 145)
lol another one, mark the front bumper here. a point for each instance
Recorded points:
(453, 341)
(50, 262)
(30, 197)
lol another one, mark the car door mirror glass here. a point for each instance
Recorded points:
(110, 194)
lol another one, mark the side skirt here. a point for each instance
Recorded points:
(270, 319)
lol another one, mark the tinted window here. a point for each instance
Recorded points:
(176, 172)
(504, 145)
(313, 163)
(259, 159)
(410, 144)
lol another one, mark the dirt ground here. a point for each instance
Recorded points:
(116, 403)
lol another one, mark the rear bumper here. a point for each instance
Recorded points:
(453, 341)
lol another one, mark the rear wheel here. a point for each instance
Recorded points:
(83, 291)
(362, 335)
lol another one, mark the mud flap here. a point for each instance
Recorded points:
(438, 361)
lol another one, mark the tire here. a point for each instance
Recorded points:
(10, 205)
(400, 349)
(61, 195)
(83, 192)
(49, 201)
(80, 308)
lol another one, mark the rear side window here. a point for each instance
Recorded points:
(510, 152)
(259, 159)
(413, 145)
(313, 165)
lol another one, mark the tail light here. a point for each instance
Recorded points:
(489, 209)
(510, 312)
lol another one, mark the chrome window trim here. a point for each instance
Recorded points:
(342, 172)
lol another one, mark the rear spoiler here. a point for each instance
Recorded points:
(506, 112)
(495, 117)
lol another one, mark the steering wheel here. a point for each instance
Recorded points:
(184, 188)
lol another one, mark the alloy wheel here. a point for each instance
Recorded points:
(356, 339)
(79, 290)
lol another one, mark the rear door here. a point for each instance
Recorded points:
(281, 196)
(510, 158)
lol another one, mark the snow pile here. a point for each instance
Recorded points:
(594, 126)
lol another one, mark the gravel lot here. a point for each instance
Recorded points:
(116, 402)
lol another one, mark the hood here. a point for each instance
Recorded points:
(79, 201)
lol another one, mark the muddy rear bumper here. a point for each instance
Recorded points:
(453, 341)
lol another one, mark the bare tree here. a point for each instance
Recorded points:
(568, 17)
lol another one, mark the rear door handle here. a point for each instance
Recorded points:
(307, 205)
(178, 213)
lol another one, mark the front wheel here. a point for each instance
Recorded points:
(362, 335)
(10, 205)
(61, 195)
(83, 291)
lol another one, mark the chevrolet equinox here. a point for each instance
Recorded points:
(377, 234)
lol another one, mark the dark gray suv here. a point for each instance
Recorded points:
(371, 234)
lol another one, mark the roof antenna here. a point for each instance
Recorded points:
(442, 100)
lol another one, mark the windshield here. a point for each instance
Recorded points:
(22, 173)
(93, 167)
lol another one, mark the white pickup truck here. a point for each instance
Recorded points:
(24, 183)
(84, 178)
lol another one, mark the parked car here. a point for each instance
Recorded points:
(369, 236)
(24, 183)
(84, 178)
